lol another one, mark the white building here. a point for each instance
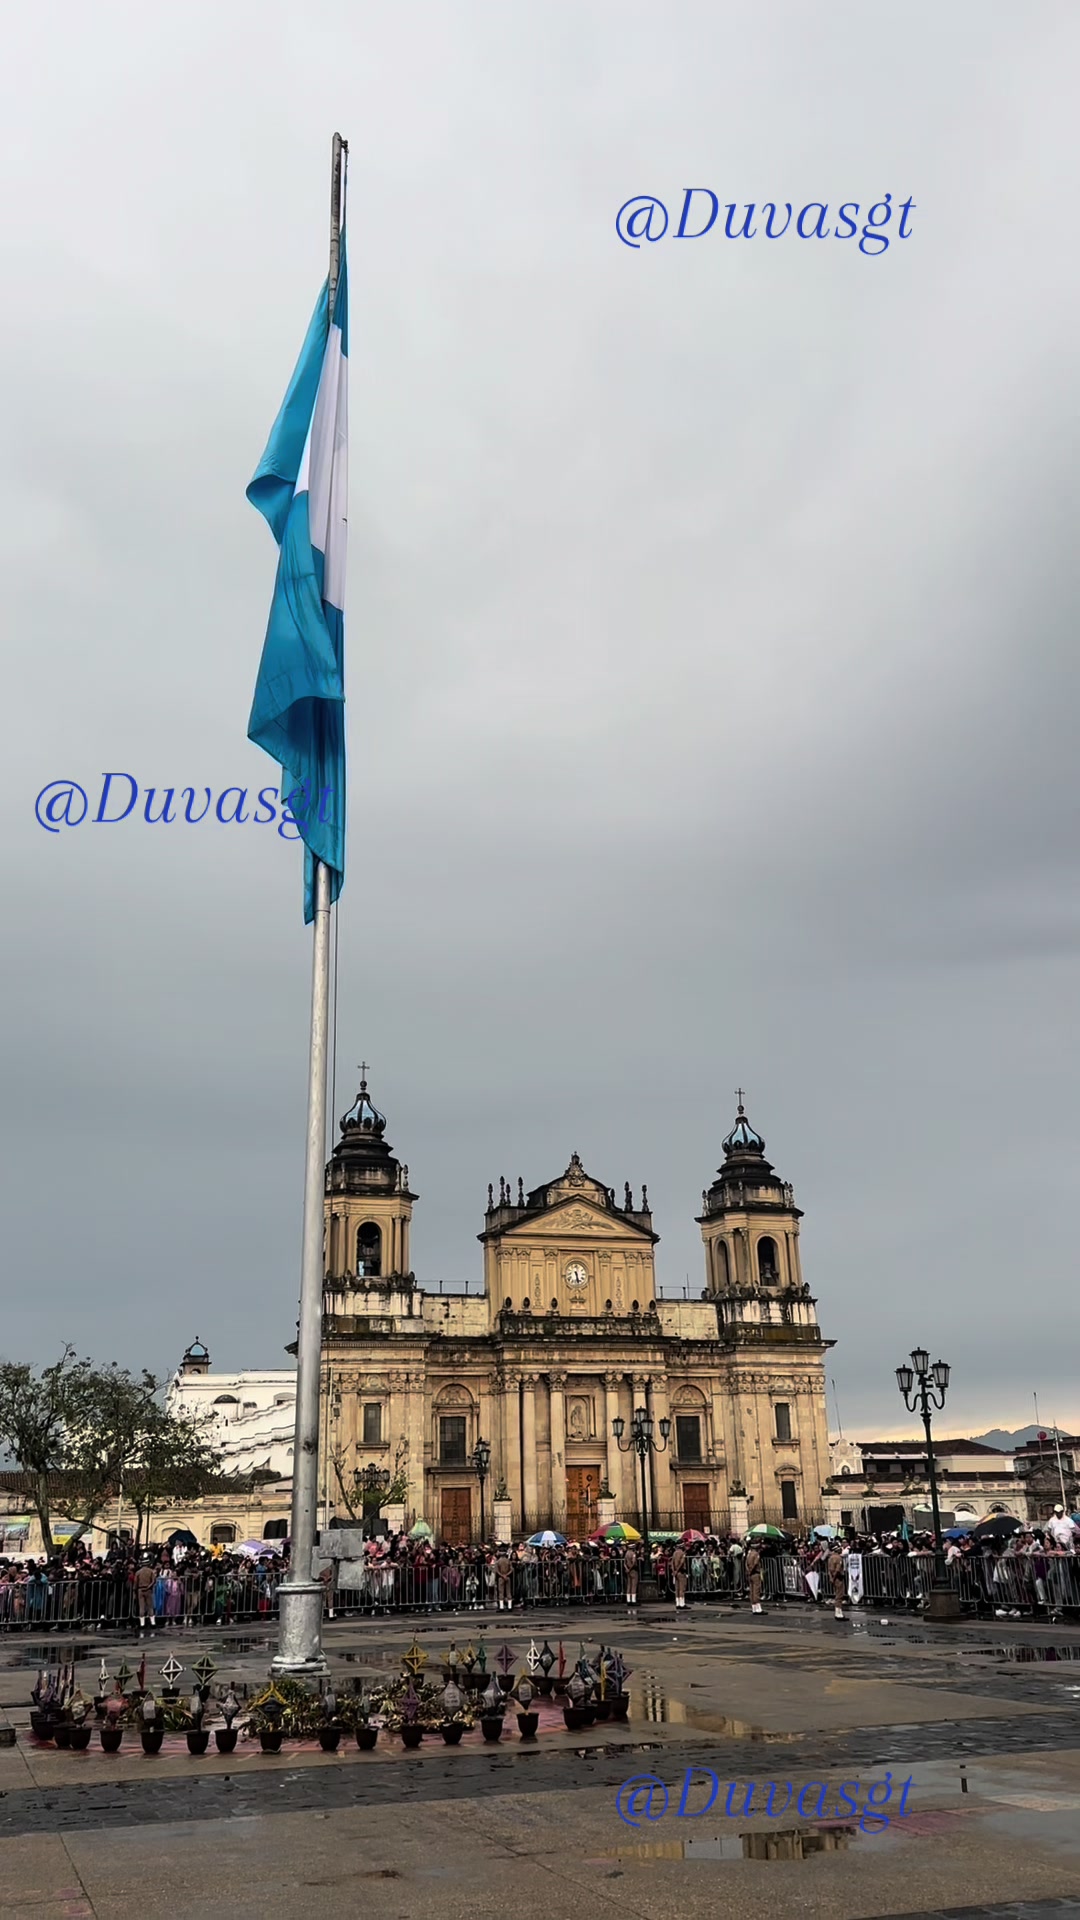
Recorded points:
(253, 1413)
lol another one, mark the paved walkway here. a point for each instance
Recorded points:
(984, 1722)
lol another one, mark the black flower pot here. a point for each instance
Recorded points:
(588, 1716)
(43, 1725)
(452, 1734)
(110, 1738)
(62, 1733)
(492, 1729)
(506, 1682)
(329, 1738)
(225, 1739)
(366, 1738)
(152, 1738)
(543, 1684)
(80, 1739)
(574, 1718)
(527, 1725)
(7, 1736)
(603, 1709)
(198, 1739)
(412, 1736)
(270, 1742)
(620, 1707)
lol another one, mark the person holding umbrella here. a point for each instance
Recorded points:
(752, 1569)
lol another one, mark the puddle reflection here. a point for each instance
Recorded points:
(785, 1843)
(653, 1702)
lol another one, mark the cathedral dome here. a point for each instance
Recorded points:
(362, 1156)
(743, 1138)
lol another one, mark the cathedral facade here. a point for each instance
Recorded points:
(568, 1339)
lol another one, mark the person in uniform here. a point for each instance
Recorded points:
(630, 1568)
(836, 1568)
(502, 1580)
(678, 1573)
(752, 1568)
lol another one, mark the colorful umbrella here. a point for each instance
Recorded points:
(615, 1532)
(690, 1535)
(546, 1539)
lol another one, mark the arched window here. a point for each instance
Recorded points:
(226, 1400)
(275, 1530)
(369, 1251)
(722, 1278)
(222, 1534)
(768, 1271)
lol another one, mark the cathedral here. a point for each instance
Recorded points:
(546, 1368)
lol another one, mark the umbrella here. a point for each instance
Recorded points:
(255, 1548)
(691, 1534)
(1000, 1526)
(182, 1538)
(421, 1531)
(546, 1539)
(824, 1532)
(764, 1532)
(615, 1532)
(957, 1533)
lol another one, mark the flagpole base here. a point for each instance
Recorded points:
(300, 1612)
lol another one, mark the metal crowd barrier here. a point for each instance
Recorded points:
(45, 1605)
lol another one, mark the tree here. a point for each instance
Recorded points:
(98, 1430)
(172, 1459)
(362, 1502)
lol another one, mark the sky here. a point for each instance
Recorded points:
(712, 674)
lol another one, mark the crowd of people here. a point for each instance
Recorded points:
(182, 1584)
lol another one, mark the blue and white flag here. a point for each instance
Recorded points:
(300, 487)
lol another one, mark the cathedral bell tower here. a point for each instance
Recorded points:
(750, 1225)
(368, 1203)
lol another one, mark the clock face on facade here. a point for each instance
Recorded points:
(575, 1275)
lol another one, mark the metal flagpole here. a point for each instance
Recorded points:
(300, 1597)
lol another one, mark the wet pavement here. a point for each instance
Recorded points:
(983, 1720)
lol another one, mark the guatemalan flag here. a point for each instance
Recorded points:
(300, 486)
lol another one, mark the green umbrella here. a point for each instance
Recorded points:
(764, 1532)
(421, 1531)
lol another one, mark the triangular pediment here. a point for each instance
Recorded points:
(570, 1218)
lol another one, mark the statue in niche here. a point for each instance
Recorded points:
(577, 1424)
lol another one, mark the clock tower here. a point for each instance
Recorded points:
(566, 1248)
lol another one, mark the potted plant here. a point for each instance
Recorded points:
(111, 1732)
(574, 1709)
(225, 1737)
(492, 1708)
(7, 1736)
(328, 1733)
(528, 1719)
(151, 1724)
(265, 1720)
(198, 1736)
(456, 1715)
(355, 1715)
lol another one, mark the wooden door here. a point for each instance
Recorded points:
(457, 1516)
(695, 1504)
(582, 1488)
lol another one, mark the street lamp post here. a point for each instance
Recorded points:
(923, 1388)
(642, 1442)
(373, 1480)
(481, 1461)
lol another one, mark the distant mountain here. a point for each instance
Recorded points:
(1001, 1437)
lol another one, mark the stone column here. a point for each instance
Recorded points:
(557, 1385)
(511, 1443)
(640, 1398)
(663, 1478)
(612, 1383)
(532, 1489)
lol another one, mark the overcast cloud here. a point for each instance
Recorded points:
(712, 656)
